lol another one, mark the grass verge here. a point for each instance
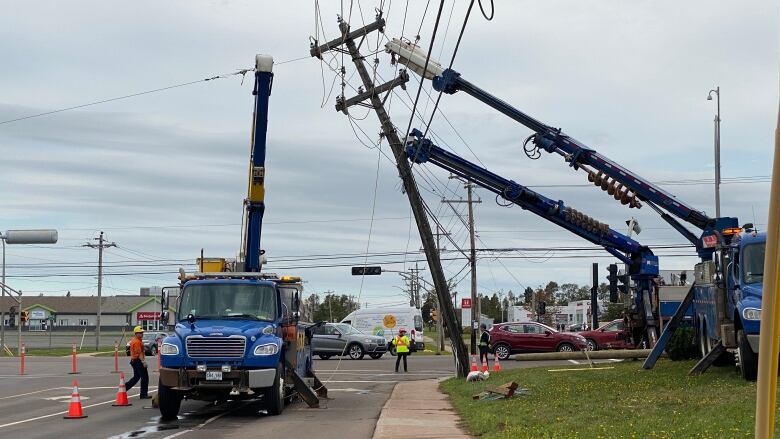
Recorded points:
(624, 402)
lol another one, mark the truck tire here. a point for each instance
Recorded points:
(169, 401)
(748, 360)
(274, 396)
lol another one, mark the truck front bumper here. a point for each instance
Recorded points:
(241, 379)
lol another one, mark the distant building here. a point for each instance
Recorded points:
(80, 312)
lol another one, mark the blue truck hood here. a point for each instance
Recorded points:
(752, 290)
(226, 328)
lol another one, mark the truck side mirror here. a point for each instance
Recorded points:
(191, 318)
(164, 317)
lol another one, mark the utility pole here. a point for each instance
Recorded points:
(439, 328)
(476, 308)
(372, 93)
(594, 297)
(100, 246)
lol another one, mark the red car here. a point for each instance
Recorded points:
(610, 336)
(512, 338)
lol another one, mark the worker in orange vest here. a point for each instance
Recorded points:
(401, 343)
(138, 362)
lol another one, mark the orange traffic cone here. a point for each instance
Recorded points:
(496, 365)
(484, 365)
(121, 394)
(474, 364)
(74, 410)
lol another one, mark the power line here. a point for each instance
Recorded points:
(103, 101)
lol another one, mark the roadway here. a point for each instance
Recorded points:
(32, 406)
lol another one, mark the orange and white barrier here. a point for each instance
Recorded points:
(73, 369)
(74, 410)
(121, 394)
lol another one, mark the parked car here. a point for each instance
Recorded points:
(578, 327)
(335, 339)
(512, 338)
(610, 336)
(150, 340)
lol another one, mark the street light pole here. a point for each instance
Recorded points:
(717, 149)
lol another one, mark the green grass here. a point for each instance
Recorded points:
(624, 402)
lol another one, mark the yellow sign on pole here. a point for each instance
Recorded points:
(389, 321)
(766, 388)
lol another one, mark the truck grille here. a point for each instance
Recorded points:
(221, 347)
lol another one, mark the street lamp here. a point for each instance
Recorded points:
(717, 149)
(47, 236)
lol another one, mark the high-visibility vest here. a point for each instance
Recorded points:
(401, 344)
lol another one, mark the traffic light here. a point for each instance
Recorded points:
(25, 316)
(625, 283)
(366, 271)
(613, 282)
(542, 308)
(433, 315)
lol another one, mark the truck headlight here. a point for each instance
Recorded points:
(266, 349)
(751, 314)
(169, 349)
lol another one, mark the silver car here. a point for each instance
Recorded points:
(334, 339)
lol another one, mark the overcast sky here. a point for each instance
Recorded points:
(164, 174)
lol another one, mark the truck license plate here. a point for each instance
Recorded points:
(213, 376)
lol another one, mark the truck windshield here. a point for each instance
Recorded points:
(753, 263)
(229, 301)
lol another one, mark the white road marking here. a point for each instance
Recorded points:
(65, 397)
(33, 393)
(207, 421)
(23, 421)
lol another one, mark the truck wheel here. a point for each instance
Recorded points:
(747, 360)
(356, 352)
(274, 396)
(169, 401)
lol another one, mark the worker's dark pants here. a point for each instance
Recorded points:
(398, 357)
(483, 352)
(139, 373)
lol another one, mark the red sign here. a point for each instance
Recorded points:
(465, 303)
(147, 315)
(709, 241)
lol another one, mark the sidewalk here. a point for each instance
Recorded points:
(417, 409)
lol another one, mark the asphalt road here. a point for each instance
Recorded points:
(32, 406)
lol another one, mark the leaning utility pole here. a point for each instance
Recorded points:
(476, 308)
(439, 328)
(100, 246)
(404, 169)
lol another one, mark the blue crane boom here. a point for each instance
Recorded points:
(626, 186)
(254, 205)
(643, 264)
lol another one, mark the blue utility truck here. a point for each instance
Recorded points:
(238, 332)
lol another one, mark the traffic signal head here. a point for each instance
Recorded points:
(542, 308)
(25, 316)
(366, 271)
(613, 282)
(625, 283)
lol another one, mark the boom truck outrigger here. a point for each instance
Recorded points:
(726, 293)
(239, 334)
